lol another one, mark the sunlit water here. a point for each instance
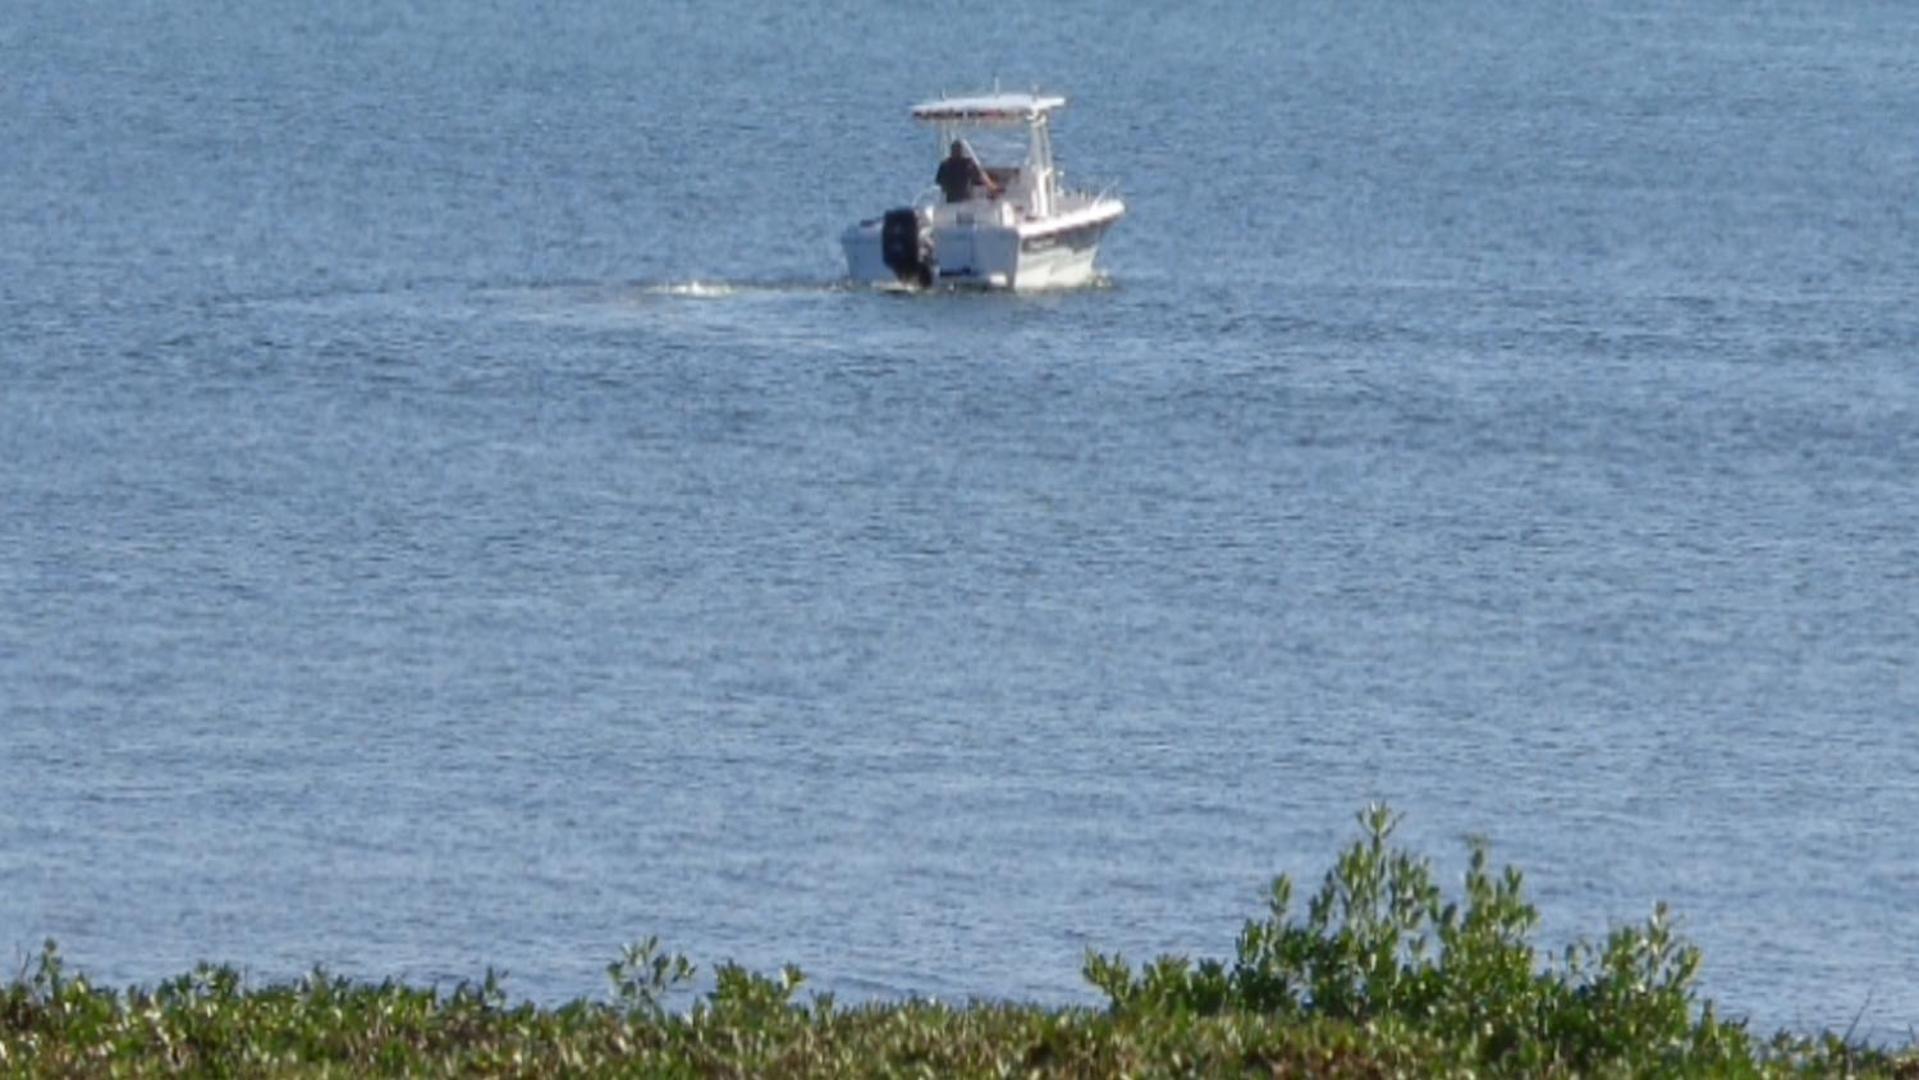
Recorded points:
(452, 514)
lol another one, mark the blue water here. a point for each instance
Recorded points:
(452, 515)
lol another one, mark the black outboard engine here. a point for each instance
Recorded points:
(906, 246)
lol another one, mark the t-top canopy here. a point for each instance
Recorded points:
(987, 109)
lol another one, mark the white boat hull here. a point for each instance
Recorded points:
(989, 251)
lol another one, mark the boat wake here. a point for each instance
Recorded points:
(700, 299)
(707, 289)
(574, 300)
(695, 290)
(704, 289)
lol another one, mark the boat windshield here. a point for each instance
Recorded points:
(995, 147)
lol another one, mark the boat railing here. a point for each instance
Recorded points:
(1069, 199)
(981, 209)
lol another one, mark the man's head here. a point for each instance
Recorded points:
(958, 149)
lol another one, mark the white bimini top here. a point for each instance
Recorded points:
(987, 109)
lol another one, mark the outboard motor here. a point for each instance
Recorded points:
(907, 247)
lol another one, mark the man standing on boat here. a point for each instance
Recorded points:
(961, 172)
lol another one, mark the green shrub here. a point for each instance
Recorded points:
(1381, 942)
(1382, 976)
(644, 976)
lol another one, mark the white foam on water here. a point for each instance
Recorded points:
(699, 290)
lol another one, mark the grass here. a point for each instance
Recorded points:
(1382, 974)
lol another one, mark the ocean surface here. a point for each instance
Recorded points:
(453, 514)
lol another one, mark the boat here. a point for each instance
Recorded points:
(1022, 229)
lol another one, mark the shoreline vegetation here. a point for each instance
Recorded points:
(1381, 974)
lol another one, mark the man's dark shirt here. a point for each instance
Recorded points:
(957, 176)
